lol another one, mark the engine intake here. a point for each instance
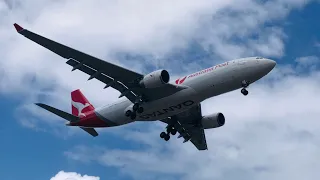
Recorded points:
(155, 79)
(213, 121)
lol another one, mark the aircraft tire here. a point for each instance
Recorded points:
(244, 92)
(133, 116)
(140, 110)
(167, 137)
(135, 107)
(162, 135)
(128, 113)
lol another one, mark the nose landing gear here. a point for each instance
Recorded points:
(244, 85)
(244, 91)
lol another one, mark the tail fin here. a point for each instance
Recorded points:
(80, 104)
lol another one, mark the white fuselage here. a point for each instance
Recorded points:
(201, 85)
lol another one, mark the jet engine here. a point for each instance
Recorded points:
(213, 121)
(155, 79)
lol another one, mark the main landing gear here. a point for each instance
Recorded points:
(170, 130)
(244, 85)
(136, 108)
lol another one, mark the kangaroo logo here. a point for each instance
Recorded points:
(80, 107)
(180, 81)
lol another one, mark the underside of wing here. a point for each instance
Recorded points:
(109, 81)
(121, 79)
(189, 126)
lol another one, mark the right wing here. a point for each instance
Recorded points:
(189, 126)
(121, 79)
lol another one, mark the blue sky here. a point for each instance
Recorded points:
(302, 33)
(274, 124)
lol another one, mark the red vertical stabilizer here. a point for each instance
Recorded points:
(80, 104)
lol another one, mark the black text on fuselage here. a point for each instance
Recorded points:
(167, 110)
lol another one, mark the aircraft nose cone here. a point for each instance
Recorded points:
(269, 64)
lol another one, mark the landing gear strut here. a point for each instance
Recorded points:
(170, 130)
(244, 85)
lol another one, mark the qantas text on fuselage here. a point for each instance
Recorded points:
(167, 110)
(153, 96)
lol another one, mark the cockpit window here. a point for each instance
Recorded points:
(259, 57)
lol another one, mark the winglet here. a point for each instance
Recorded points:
(18, 27)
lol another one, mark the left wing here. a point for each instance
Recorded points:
(189, 126)
(121, 79)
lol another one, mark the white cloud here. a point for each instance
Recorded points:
(72, 176)
(308, 60)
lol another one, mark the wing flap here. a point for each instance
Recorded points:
(195, 134)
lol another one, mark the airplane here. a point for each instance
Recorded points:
(153, 97)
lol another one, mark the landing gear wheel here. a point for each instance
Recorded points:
(133, 116)
(244, 92)
(173, 131)
(135, 107)
(167, 137)
(128, 113)
(140, 110)
(163, 134)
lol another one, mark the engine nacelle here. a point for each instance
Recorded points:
(155, 79)
(213, 121)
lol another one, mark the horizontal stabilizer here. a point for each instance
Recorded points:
(91, 131)
(64, 115)
(68, 117)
